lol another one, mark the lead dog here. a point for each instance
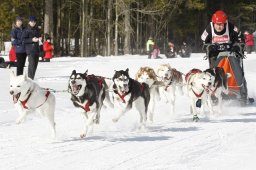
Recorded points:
(87, 93)
(198, 89)
(28, 96)
(129, 93)
(172, 79)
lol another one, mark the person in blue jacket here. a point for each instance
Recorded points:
(17, 42)
(31, 37)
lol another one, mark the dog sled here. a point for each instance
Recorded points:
(230, 58)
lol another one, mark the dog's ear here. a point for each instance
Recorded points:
(85, 73)
(12, 74)
(127, 70)
(73, 72)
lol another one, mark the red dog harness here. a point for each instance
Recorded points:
(86, 106)
(23, 103)
(198, 95)
(100, 80)
(122, 96)
(192, 72)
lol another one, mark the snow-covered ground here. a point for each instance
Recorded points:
(218, 142)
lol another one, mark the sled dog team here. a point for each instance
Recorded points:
(90, 92)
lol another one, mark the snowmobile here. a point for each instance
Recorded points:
(230, 58)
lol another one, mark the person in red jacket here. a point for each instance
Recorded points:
(12, 55)
(248, 42)
(48, 49)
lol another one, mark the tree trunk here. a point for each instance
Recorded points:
(127, 29)
(116, 29)
(84, 28)
(109, 23)
(48, 18)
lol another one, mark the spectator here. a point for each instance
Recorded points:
(171, 52)
(17, 42)
(48, 49)
(150, 44)
(12, 56)
(248, 42)
(31, 38)
(155, 53)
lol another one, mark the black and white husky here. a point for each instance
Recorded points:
(29, 96)
(128, 93)
(87, 93)
(219, 87)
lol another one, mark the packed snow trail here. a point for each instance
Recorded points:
(226, 141)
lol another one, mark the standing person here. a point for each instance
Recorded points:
(17, 42)
(48, 49)
(12, 57)
(248, 42)
(150, 45)
(31, 37)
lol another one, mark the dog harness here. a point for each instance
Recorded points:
(198, 95)
(193, 71)
(86, 106)
(23, 103)
(122, 96)
(99, 79)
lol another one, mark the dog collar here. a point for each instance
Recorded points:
(198, 95)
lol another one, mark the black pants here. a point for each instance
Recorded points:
(32, 66)
(21, 60)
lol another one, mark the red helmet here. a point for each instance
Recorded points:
(219, 17)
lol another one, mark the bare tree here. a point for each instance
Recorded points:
(48, 17)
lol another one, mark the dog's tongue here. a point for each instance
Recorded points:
(15, 100)
(75, 88)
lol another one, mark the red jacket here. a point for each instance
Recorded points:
(48, 49)
(249, 40)
(12, 54)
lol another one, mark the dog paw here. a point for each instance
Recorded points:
(115, 120)
(18, 121)
(82, 135)
(96, 121)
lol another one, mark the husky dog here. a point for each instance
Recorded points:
(172, 79)
(28, 96)
(87, 93)
(219, 87)
(147, 75)
(127, 93)
(198, 88)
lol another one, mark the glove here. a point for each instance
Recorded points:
(213, 48)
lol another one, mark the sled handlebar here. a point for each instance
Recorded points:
(235, 47)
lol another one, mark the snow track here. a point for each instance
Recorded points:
(217, 142)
